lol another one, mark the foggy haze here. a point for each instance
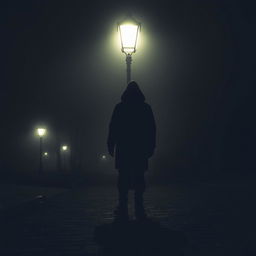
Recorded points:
(64, 69)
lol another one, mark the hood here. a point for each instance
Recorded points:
(132, 93)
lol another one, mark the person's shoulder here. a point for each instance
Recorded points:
(119, 105)
(146, 106)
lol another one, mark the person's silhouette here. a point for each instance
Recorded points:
(131, 140)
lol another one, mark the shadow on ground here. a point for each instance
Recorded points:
(138, 238)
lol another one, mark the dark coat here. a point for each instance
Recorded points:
(132, 131)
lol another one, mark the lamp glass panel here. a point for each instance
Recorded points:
(128, 33)
(41, 131)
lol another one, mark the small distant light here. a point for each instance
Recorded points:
(64, 148)
(45, 153)
(104, 157)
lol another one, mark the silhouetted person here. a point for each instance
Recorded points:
(131, 141)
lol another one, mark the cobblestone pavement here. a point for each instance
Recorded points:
(215, 219)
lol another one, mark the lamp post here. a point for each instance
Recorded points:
(64, 149)
(128, 30)
(41, 132)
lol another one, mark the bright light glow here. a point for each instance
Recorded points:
(45, 153)
(128, 36)
(41, 132)
(64, 148)
(103, 157)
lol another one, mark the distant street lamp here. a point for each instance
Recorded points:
(64, 148)
(41, 132)
(129, 30)
(45, 154)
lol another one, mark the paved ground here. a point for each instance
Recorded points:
(195, 219)
(13, 195)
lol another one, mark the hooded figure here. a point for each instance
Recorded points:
(131, 141)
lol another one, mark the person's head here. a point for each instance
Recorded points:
(133, 93)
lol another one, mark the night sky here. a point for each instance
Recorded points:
(63, 68)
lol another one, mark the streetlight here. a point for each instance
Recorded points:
(41, 132)
(129, 30)
(64, 148)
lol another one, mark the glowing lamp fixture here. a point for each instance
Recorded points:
(129, 35)
(45, 153)
(129, 31)
(64, 148)
(41, 132)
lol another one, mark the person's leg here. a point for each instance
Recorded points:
(123, 188)
(138, 195)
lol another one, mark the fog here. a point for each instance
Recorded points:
(66, 71)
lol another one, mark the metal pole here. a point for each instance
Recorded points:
(62, 160)
(128, 67)
(41, 152)
(58, 152)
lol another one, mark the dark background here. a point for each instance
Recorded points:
(62, 68)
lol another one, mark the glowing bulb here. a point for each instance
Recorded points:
(45, 153)
(128, 36)
(104, 157)
(64, 148)
(41, 132)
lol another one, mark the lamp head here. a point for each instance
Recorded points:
(64, 147)
(129, 30)
(41, 132)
